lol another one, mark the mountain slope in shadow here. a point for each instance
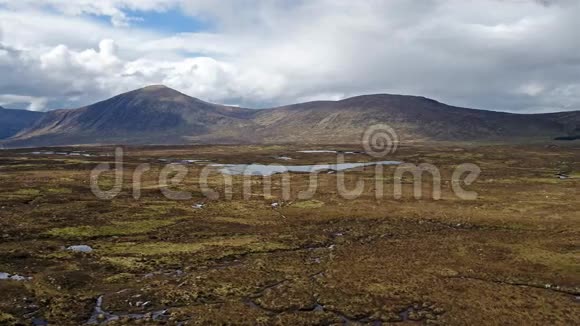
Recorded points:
(13, 121)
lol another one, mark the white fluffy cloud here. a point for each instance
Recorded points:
(33, 103)
(520, 56)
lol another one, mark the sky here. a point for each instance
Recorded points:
(505, 55)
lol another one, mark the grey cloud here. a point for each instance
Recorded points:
(520, 56)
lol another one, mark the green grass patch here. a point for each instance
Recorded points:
(568, 262)
(7, 319)
(27, 192)
(309, 204)
(20, 194)
(125, 263)
(115, 228)
(59, 191)
(250, 243)
(119, 278)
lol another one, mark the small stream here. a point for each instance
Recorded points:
(102, 317)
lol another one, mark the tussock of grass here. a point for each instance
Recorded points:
(20, 194)
(309, 204)
(251, 243)
(241, 220)
(556, 260)
(27, 192)
(59, 191)
(124, 263)
(116, 228)
(6, 319)
(119, 278)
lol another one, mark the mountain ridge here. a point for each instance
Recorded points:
(13, 121)
(157, 114)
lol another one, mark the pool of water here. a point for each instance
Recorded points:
(80, 248)
(15, 277)
(266, 170)
(314, 151)
(322, 151)
(75, 153)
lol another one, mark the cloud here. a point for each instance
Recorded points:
(519, 56)
(32, 103)
(114, 9)
(62, 59)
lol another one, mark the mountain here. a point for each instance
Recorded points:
(414, 118)
(570, 122)
(161, 115)
(13, 121)
(154, 114)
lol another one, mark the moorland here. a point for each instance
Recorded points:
(509, 257)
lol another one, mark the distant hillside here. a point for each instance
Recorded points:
(570, 122)
(414, 118)
(160, 115)
(13, 121)
(154, 114)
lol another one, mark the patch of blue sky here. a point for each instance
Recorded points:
(172, 21)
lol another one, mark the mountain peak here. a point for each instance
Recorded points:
(155, 88)
(161, 92)
(403, 97)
